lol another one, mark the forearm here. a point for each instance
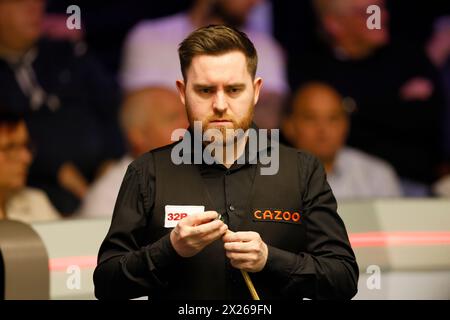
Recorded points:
(135, 273)
(313, 276)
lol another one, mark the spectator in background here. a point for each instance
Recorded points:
(438, 49)
(442, 187)
(316, 121)
(148, 118)
(395, 93)
(73, 103)
(150, 52)
(17, 201)
(104, 24)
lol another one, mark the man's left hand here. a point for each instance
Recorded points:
(246, 250)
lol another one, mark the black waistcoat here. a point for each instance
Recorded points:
(208, 275)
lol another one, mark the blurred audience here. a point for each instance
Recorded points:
(18, 202)
(393, 92)
(438, 49)
(150, 52)
(148, 118)
(105, 23)
(73, 103)
(317, 121)
(442, 187)
(396, 96)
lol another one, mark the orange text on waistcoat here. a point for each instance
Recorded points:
(277, 216)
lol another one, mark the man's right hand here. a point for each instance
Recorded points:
(195, 232)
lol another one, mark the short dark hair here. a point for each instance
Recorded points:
(216, 40)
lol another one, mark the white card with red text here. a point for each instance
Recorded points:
(175, 213)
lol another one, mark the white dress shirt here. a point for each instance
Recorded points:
(101, 196)
(151, 55)
(359, 175)
(30, 205)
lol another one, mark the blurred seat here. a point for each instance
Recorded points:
(25, 262)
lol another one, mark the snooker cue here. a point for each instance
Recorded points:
(250, 286)
(246, 276)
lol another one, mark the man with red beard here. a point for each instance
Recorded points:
(165, 239)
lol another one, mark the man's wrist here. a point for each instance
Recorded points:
(279, 262)
(163, 254)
